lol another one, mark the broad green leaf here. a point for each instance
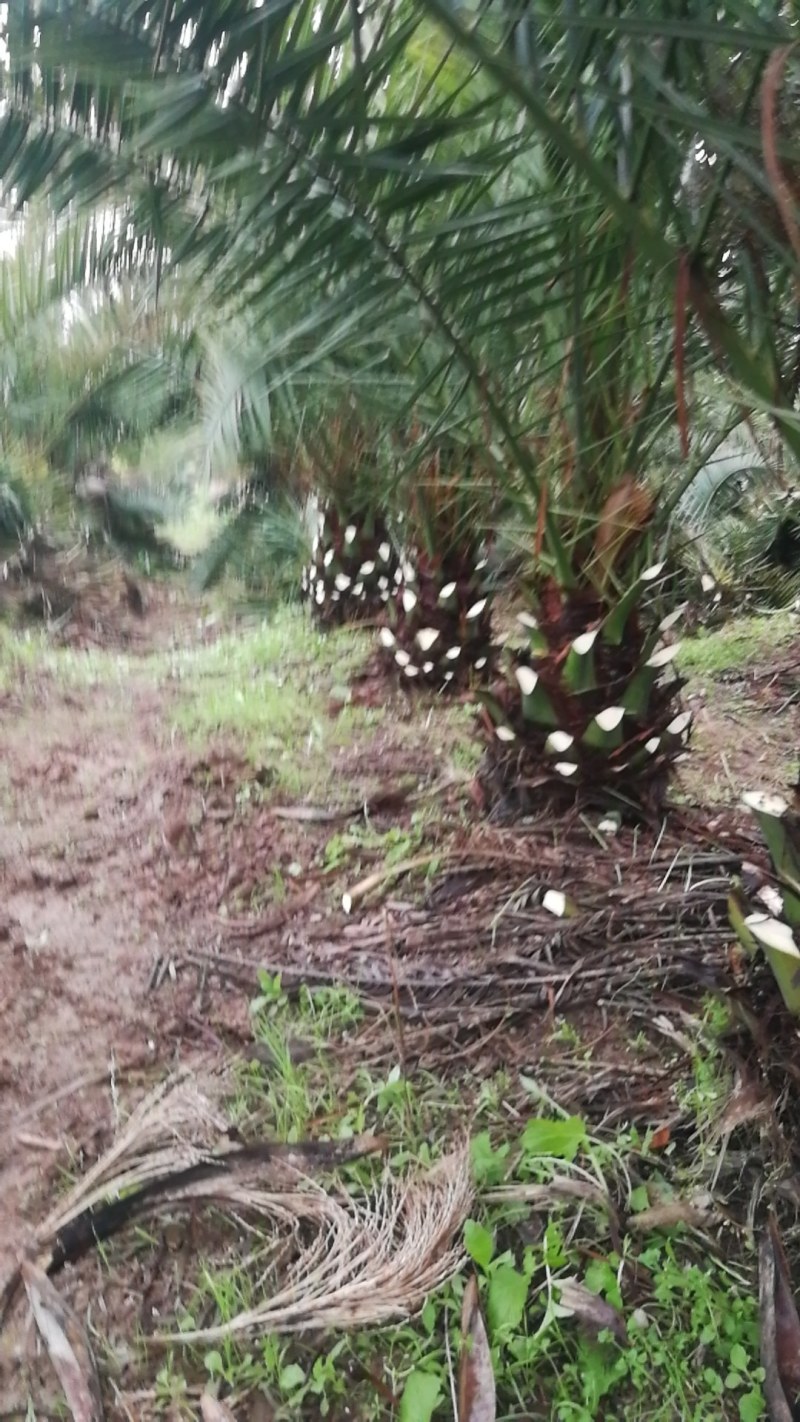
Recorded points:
(553, 1247)
(752, 1406)
(479, 1243)
(489, 1163)
(505, 1305)
(421, 1396)
(738, 1358)
(601, 1278)
(560, 1138)
(291, 1377)
(640, 1200)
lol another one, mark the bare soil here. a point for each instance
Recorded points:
(81, 925)
(122, 855)
(746, 731)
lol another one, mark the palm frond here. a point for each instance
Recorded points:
(16, 513)
(534, 233)
(372, 1259)
(265, 544)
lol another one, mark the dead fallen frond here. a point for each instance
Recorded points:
(477, 1395)
(67, 1346)
(355, 1259)
(369, 1259)
(779, 1326)
(175, 1147)
(647, 914)
(173, 1127)
(212, 1410)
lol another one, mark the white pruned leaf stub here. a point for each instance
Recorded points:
(527, 679)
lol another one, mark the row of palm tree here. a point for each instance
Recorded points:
(469, 258)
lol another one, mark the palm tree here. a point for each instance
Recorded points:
(353, 556)
(501, 214)
(85, 360)
(439, 629)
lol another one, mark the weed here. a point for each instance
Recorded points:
(24, 653)
(268, 688)
(565, 1033)
(702, 1096)
(171, 1391)
(677, 1336)
(391, 846)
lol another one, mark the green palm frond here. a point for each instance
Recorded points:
(448, 201)
(265, 544)
(16, 513)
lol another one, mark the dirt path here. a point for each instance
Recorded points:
(85, 910)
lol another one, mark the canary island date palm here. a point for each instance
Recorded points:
(509, 190)
(353, 559)
(439, 628)
(353, 564)
(770, 921)
(585, 701)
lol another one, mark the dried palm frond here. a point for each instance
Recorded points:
(175, 1146)
(65, 1340)
(371, 1259)
(173, 1127)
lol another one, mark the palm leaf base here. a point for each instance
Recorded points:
(582, 711)
(439, 630)
(352, 573)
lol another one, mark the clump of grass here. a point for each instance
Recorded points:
(267, 688)
(24, 654)
(736, 645)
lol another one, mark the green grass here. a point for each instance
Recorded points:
(267, 690)
(277, 692)
(736, 645)
(25, 653)
(685, 1344)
